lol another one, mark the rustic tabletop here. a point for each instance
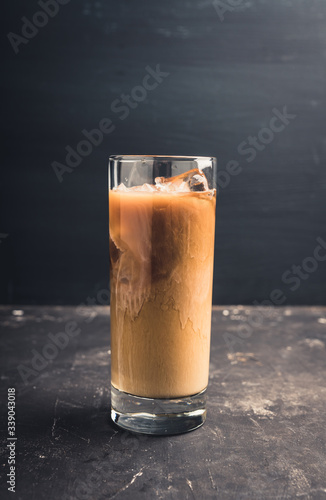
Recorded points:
(264, 438)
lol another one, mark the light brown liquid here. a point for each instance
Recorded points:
(161, 253)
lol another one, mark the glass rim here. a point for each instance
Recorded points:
(178, 157)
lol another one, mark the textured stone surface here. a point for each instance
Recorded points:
(264, 437)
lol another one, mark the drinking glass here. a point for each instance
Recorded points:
(161, 229)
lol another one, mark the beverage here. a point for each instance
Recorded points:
(161, 255)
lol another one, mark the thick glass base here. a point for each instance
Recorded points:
(157, 416)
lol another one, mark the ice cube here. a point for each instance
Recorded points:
(198, 182)
(148, 188)
(194, 180)
(121, 188)
(171, 184)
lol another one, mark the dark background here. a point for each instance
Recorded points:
(225, 79)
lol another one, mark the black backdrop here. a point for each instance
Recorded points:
(227, 69)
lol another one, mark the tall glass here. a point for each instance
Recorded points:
(161, 226)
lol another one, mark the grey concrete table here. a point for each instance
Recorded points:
(264, 437)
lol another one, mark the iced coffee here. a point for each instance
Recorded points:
(161, 255)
